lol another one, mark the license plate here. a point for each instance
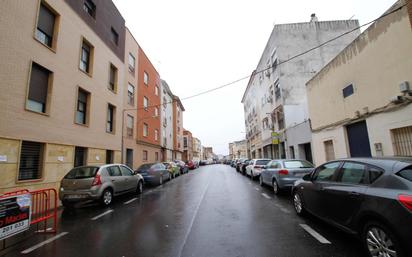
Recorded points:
(74, 196)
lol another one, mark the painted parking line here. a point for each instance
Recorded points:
(283, 209)
(257, 189)
(315, 234)
(101, 215)
(130, 201)
(34, 247)
(266, 196)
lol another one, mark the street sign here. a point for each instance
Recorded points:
(14, 215)
(275, 138)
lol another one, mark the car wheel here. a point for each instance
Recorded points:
(107, 197)
(276, 188)
(139, 188)
(261, 181)
(298, 204)
(380, 241)
(161, 180)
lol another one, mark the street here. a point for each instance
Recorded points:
(212, 211)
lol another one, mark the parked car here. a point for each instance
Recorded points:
(202, 163)
(243, 165)
(183, 167)
(255, 167)
(98, 183)
(190, 165)
(173, 169)
(282, 174)
(154, 173)
(238, 163)
(197, 164)
(369, 197)
(233, 164)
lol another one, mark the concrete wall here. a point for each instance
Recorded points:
(338, 137)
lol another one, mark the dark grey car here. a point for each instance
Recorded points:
(98, 183)
(154, 173)
(369, 197)
(282, 174)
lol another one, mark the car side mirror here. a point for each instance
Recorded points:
(307, 177)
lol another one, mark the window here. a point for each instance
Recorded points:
(144, 155)
(406, 173)
(146, 78)
(156, 90)
(113, 78)
(130, 125)
(353, 173)
(281, 123)
(156, 134)
(329, 150)
(156, 156)
(297, 165)
(40, 79)
(274, 165)
(156, 111)
(82, 107)
(277, 89)
(145, 103)
(347, 91)
(130, 94)
(129, 158)
(145, 129)
(326, 172)
(402, 141)
(132, 63)
(109, 156)
(86, 57)
(90, 8)
(114, 171)
(45, 25)
(31, 160)
(80, 156)
(185, 142)
(111, 110)
(126, 171)
(374, 174)
(114, 36)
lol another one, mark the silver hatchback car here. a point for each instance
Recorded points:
(99, 183)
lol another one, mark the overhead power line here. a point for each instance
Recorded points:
(281, 62)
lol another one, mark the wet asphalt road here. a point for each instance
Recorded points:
(212, 211)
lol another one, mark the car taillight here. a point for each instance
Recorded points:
(406, 200)
(97, 181)
(283, 172)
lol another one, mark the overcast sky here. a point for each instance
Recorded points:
(198, 45)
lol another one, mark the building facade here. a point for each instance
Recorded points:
(197, 149)
(167, 122)
(178, 110)
(238, 149)
(61, 101)
(187, 145)
(148, 111)
(275, 101)
(208, 153)
(359, 106)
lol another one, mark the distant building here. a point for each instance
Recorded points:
(359, 106)
(168, 133)
(187, 145)
(208, 153)
(178, 110)
(238, 149)
(197, 149)
(275, 97)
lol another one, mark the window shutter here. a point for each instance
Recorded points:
(46, 21)
(30, 160)
(39, 81)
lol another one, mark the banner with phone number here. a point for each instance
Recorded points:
(14, 215)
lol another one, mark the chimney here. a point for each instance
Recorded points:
(313, 18)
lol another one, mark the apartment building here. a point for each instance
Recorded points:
(178, 110)
(208, 153)
(360, 106)
(148, 111)
(187, 145)
(238, 149)
(61, 101)
(167, 121)
(275, 102)
(197, 149)
(130, 153)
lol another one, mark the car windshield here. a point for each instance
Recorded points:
(82, 172)
(262, 162)
(297, 164)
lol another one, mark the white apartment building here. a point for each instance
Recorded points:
(167, 121)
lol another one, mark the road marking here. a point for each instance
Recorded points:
(193, 219)
(131, 200)
(266, 196)
(315, 234)
(257, 189)
(101, 215)
(34, 247)
(42, 230)
(283, 209)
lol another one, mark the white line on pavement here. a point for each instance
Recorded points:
(257, 189)
(315, 234)
(131, 200)
(266, 196)
(285, 210)
(34, 247)
(101, 215)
